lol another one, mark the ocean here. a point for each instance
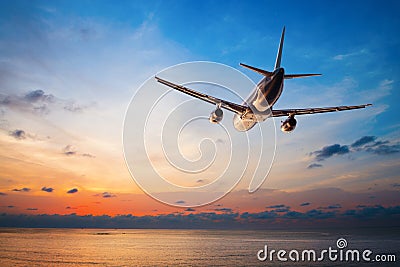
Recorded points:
(142, 247)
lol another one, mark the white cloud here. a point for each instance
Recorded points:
(383, 89)
(348, 55)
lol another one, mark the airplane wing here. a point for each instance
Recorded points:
(239, 109)
(287, 112)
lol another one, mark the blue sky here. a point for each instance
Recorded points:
(69, 68)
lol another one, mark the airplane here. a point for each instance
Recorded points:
(259, 105)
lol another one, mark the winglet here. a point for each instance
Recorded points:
(279, 55)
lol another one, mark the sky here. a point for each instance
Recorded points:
(69, 69)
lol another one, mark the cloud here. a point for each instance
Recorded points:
(276, 206)
(69, 150)
(371, 216)
(259, 215)
(376, 211)
(314, 165)
(10, 206)
(279, 208)
(47, 189)
(180, 202)
(318, 214)
(34, 101)
(369, 144)
(190, 209)
(3, 194)
(106, 195)
(305, 204)
(38, 102)
(395, 185)
(345, 56)
(384, 149)
(75, 107)
(25, 189)
(32, 209)
(38, 95)
(88, 155)
(18, 134)
(331, 207)
(339, 57)
(363, 140)
(285, 209)
(224, 210)
(384, 89)
(329, 151)
(72, 191)
(378, 147)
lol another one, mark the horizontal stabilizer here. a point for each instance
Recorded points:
(262, 72)
(292, 76)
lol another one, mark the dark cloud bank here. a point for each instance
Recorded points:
(331, 216)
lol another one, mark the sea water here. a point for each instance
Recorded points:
(142, 247)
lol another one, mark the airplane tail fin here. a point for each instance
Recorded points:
(279, 55)
(278, 64)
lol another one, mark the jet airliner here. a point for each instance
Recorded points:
(259, 105)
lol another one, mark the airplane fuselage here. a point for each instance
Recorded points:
(260, 101)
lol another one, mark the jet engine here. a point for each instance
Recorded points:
(289, 124)
(216, 116)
